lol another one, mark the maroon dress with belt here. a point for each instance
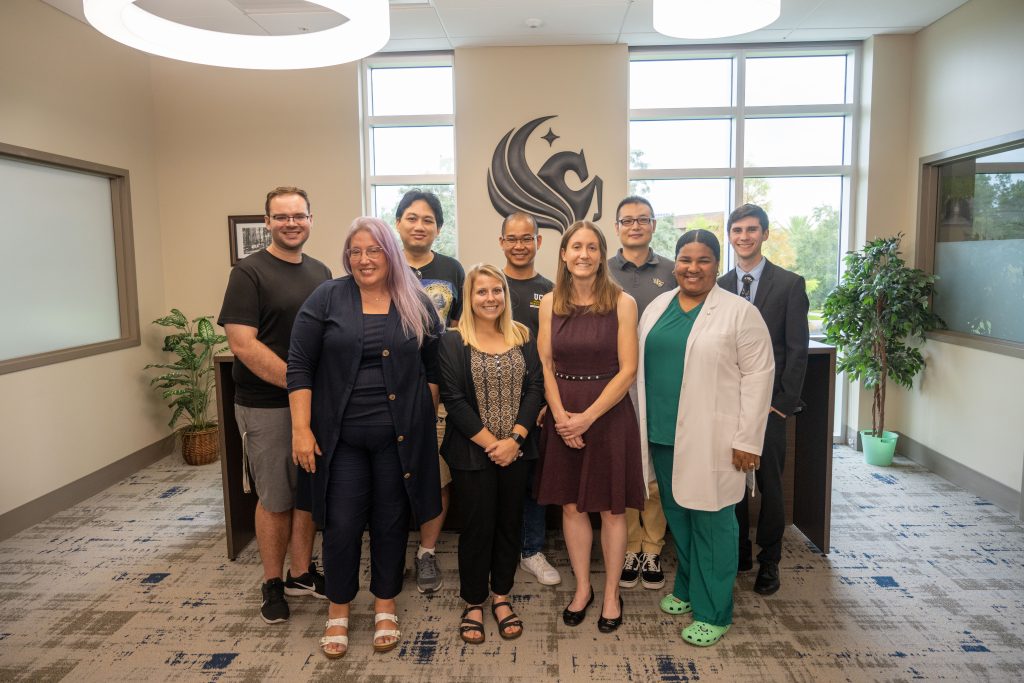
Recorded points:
(606, 474)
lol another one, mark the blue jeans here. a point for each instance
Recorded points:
(534, 522)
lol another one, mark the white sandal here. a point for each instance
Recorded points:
(385, 633)
(335, 640)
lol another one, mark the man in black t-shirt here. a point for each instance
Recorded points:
(419, 218)
(520, 241)
(264, 294)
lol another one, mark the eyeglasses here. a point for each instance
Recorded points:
(284, 218)
(525, 240)
(628, 222)
(372, 253)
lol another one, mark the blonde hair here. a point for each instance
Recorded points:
(515, 334)
(606, 291)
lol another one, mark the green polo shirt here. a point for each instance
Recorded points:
(664, 358)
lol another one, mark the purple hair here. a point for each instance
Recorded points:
(403, 286)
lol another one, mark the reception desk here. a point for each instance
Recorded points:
(807, 480)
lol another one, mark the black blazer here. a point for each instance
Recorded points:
(325, 354)
(459, 398)
(782, 300)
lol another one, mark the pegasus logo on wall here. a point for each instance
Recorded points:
(513, 186)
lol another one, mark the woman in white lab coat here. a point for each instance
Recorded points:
(704, 388)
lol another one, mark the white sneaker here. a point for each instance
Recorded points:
(539, 566)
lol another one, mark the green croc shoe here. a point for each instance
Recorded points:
(703, 634)
(670, 604)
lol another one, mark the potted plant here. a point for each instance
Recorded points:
(878, 306)
(188, 384)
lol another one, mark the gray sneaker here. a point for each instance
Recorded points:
(428, 574)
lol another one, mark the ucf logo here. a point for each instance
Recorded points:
(513, 186)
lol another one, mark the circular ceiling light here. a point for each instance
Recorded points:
(367, 30)
(698, 19)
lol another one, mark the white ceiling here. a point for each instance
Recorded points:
(448, 24)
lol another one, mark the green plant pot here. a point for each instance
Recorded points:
(878, 450)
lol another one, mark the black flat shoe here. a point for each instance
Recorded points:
(606, 625)
(767, 581)
(572, 618)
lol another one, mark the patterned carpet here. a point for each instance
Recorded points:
(924, 581)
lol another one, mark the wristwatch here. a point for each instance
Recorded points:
(518, 438)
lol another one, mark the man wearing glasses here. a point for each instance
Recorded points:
(520, 241)
(265, 291)
(644, 275)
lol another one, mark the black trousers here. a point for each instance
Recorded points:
(771, 521)
(365, 484)
(489, 545)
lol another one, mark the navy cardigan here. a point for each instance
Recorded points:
(459, 398)
(324, 356)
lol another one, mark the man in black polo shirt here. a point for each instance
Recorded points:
(264, 294)
(520, 241)
(643, 275)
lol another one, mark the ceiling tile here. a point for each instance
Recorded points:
(415, 22)
(503, 22)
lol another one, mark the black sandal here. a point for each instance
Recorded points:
(509, 622)
(470, 625)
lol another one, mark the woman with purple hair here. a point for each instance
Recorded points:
(363, 388)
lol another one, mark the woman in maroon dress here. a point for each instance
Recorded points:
(587, 343)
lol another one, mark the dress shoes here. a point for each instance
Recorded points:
(767, 581)
(574, 618)
(606, 625)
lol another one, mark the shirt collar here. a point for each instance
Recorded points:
(756, 272)
(622, 262)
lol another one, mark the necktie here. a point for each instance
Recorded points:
(745, 292)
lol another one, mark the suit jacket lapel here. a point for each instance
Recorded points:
(764, 285)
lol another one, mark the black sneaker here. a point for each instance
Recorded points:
(650, 571)
(275, 608)
(310, 583)
(630, 571)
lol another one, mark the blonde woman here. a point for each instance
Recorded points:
(492, 385)
(590, 442)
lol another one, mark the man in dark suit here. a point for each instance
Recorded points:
(781, 297)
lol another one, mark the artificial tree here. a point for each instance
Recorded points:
(189, 384)
(879, 305)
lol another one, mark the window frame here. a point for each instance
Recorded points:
(739, 111)
(927, 230)
(124, 259)
(369, 122)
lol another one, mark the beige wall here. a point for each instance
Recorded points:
(498, 89)
(227, 136)
(68, 90)
(960, 83)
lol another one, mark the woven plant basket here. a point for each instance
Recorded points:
(200, 448)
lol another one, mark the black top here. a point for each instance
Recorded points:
(325, 356)
(459, 397)
(526, 296)
(442, 280)
(368, 404)
(266, 292)
(782, 300)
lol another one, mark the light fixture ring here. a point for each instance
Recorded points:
(367, 31)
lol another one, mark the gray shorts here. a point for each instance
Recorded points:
(267, 455)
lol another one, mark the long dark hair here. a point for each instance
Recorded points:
(606, 291)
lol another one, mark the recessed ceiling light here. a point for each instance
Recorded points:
(713, 18)
(534, 22)
(367, 30)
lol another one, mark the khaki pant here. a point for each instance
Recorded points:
(648, 536)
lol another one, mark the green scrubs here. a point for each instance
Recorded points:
(706, 542)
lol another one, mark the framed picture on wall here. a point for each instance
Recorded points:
(247, 235)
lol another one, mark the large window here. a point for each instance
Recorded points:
(972, 237)
(68, 280)
(710, 131)
(410, 137)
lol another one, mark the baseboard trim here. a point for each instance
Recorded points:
(51, 503)
(1003, 496)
